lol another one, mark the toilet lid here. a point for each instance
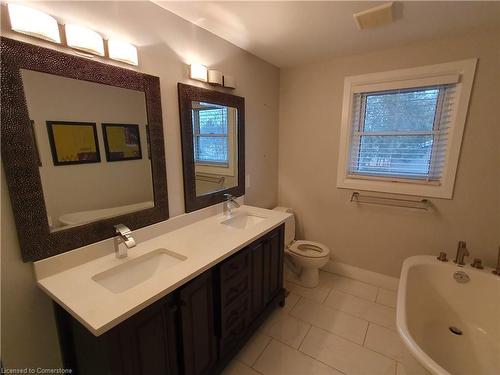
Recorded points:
(309, 249)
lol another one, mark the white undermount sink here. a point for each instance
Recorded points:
(135, 271)
(243, 221)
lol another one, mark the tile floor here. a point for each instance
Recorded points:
(343, 326)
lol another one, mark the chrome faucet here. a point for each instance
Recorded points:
(462, 252)
(230, 200)
(123, 234)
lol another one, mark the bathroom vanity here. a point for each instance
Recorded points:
(195, 287)
(190, 317)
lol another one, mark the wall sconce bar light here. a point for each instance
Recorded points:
(33, 22)
(84, 39)
(122, 51)
(215, 78)
(198, 72)
(229, 82)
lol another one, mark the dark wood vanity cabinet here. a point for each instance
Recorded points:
(148, 340)
(195, 330)
(144, 344)
(197, 323)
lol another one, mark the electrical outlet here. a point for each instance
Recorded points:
(247, 181)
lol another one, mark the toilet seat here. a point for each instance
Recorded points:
(309, 249)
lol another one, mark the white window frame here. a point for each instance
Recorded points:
(460, 73)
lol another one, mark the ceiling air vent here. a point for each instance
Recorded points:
(375, 17)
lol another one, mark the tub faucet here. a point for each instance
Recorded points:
(230, 200)
(462, 252)
(123, 234)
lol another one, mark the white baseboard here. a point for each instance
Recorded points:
(370, 277)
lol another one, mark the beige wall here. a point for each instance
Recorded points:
(166, 44)
(375, 237)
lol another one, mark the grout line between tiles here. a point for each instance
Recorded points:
(359, 317)
(328, 332)
(366, 335)
(295, 304)
(308, 355)
(303, 338)
(262, 352)
(245, 365)
(363, 347)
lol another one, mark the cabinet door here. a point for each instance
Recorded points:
(266, 270)
(258, 300)
(275, 259)
(198, 332)
(148, 340)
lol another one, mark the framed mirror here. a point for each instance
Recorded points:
(213, 145)
(82, 148)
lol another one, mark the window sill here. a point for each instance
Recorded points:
(415, 188)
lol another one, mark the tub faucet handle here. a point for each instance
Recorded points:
(442, 257)
(496, 271)
(477, 263)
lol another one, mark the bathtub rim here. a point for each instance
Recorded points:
(401, 321)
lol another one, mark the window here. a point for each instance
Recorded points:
(210, 132)
(401, 130)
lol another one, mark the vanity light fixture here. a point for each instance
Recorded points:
(84, 39)
(198, 72)
(215, 78)
(122, 51)
(229, 82)
(33, 22)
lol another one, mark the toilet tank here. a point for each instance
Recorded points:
(289, 225)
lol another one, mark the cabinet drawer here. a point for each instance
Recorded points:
(235, 265)
(234, 336)
(234, 314)
(234, 288)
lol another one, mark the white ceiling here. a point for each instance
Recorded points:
(294, 33)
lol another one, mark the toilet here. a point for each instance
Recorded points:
(306, 257)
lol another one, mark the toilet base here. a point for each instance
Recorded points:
(309, 277)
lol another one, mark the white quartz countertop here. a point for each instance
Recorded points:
(204, 243)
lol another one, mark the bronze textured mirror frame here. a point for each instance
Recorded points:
(18, 148)
(188, 94)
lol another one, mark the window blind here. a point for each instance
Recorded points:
(210, 132)
(402, 133)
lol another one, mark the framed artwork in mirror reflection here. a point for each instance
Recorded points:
(122, 142)
(73, 142)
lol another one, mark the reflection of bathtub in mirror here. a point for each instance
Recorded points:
(82, 217)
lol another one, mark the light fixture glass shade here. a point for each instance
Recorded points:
(84, 39)
(215, 77)
(230, 82)
(198, 72)
(33, 22)
(122, 51)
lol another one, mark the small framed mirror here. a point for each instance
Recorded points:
(82, 148)
(213, 145)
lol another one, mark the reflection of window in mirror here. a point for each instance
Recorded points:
(214, 146)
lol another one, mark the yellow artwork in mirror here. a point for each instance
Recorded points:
(122, 142)
(73, 142)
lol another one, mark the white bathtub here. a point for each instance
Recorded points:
(430, 301)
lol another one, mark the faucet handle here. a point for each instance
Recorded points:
(477, 263)
(229, 197)
(122, 229)
(442, 257)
